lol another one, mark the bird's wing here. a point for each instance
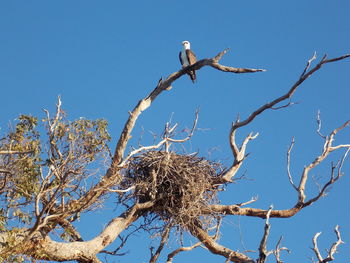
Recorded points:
(191, 56)
(180, 57)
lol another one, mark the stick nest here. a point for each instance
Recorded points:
(181, 185)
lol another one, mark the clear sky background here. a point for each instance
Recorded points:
(104, 56)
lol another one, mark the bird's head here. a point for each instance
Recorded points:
(186, 44)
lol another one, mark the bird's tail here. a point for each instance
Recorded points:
(192, 75)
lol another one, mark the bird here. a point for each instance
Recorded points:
(188, 58)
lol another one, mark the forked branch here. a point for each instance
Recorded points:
(263, 253)
(331, 251)
(165, 236)
(306, 74)
(239, 154)
(327, 149)
(336, 173)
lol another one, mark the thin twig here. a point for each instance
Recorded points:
(308, 64)
(165, 236)
(319, 123)
(288, 164)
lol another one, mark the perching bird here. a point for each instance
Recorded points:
(187, 58)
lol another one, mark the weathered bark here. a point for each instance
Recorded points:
(218, 249)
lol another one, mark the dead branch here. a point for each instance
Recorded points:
(319, 123)
(327, 149)
(189, 136)
(278, 249)
(254, 212)
(308, 64)
(181, 249)
(263, 253)
(167, 137)
(332, 250)
(289, 94)
(252, 200)
(271, 105)
(189, 248)
(165, 236)
(218, 249)
(122, 190)
(239, 155)
(290, 178)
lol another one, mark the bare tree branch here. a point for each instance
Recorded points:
(218, 249)
(181, 249)
(288, 165)
(252, 200)
(278, 250)
(288, 95)
(263, 253)
(165, 236)
(333, 249)
(188, 248)
(167, 137)
(327, 149)
(239, 155)
(122, 190)
(308, 64)
(254, 212)
(319, 123)
(194, 126)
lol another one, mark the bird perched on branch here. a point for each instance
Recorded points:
(187, 58)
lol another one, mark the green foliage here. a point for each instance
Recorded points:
(8, 249)
(85, 138)
(22, 164)
(55, 162)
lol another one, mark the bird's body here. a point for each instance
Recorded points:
(188, 58)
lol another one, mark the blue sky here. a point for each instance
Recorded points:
(102, 57)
